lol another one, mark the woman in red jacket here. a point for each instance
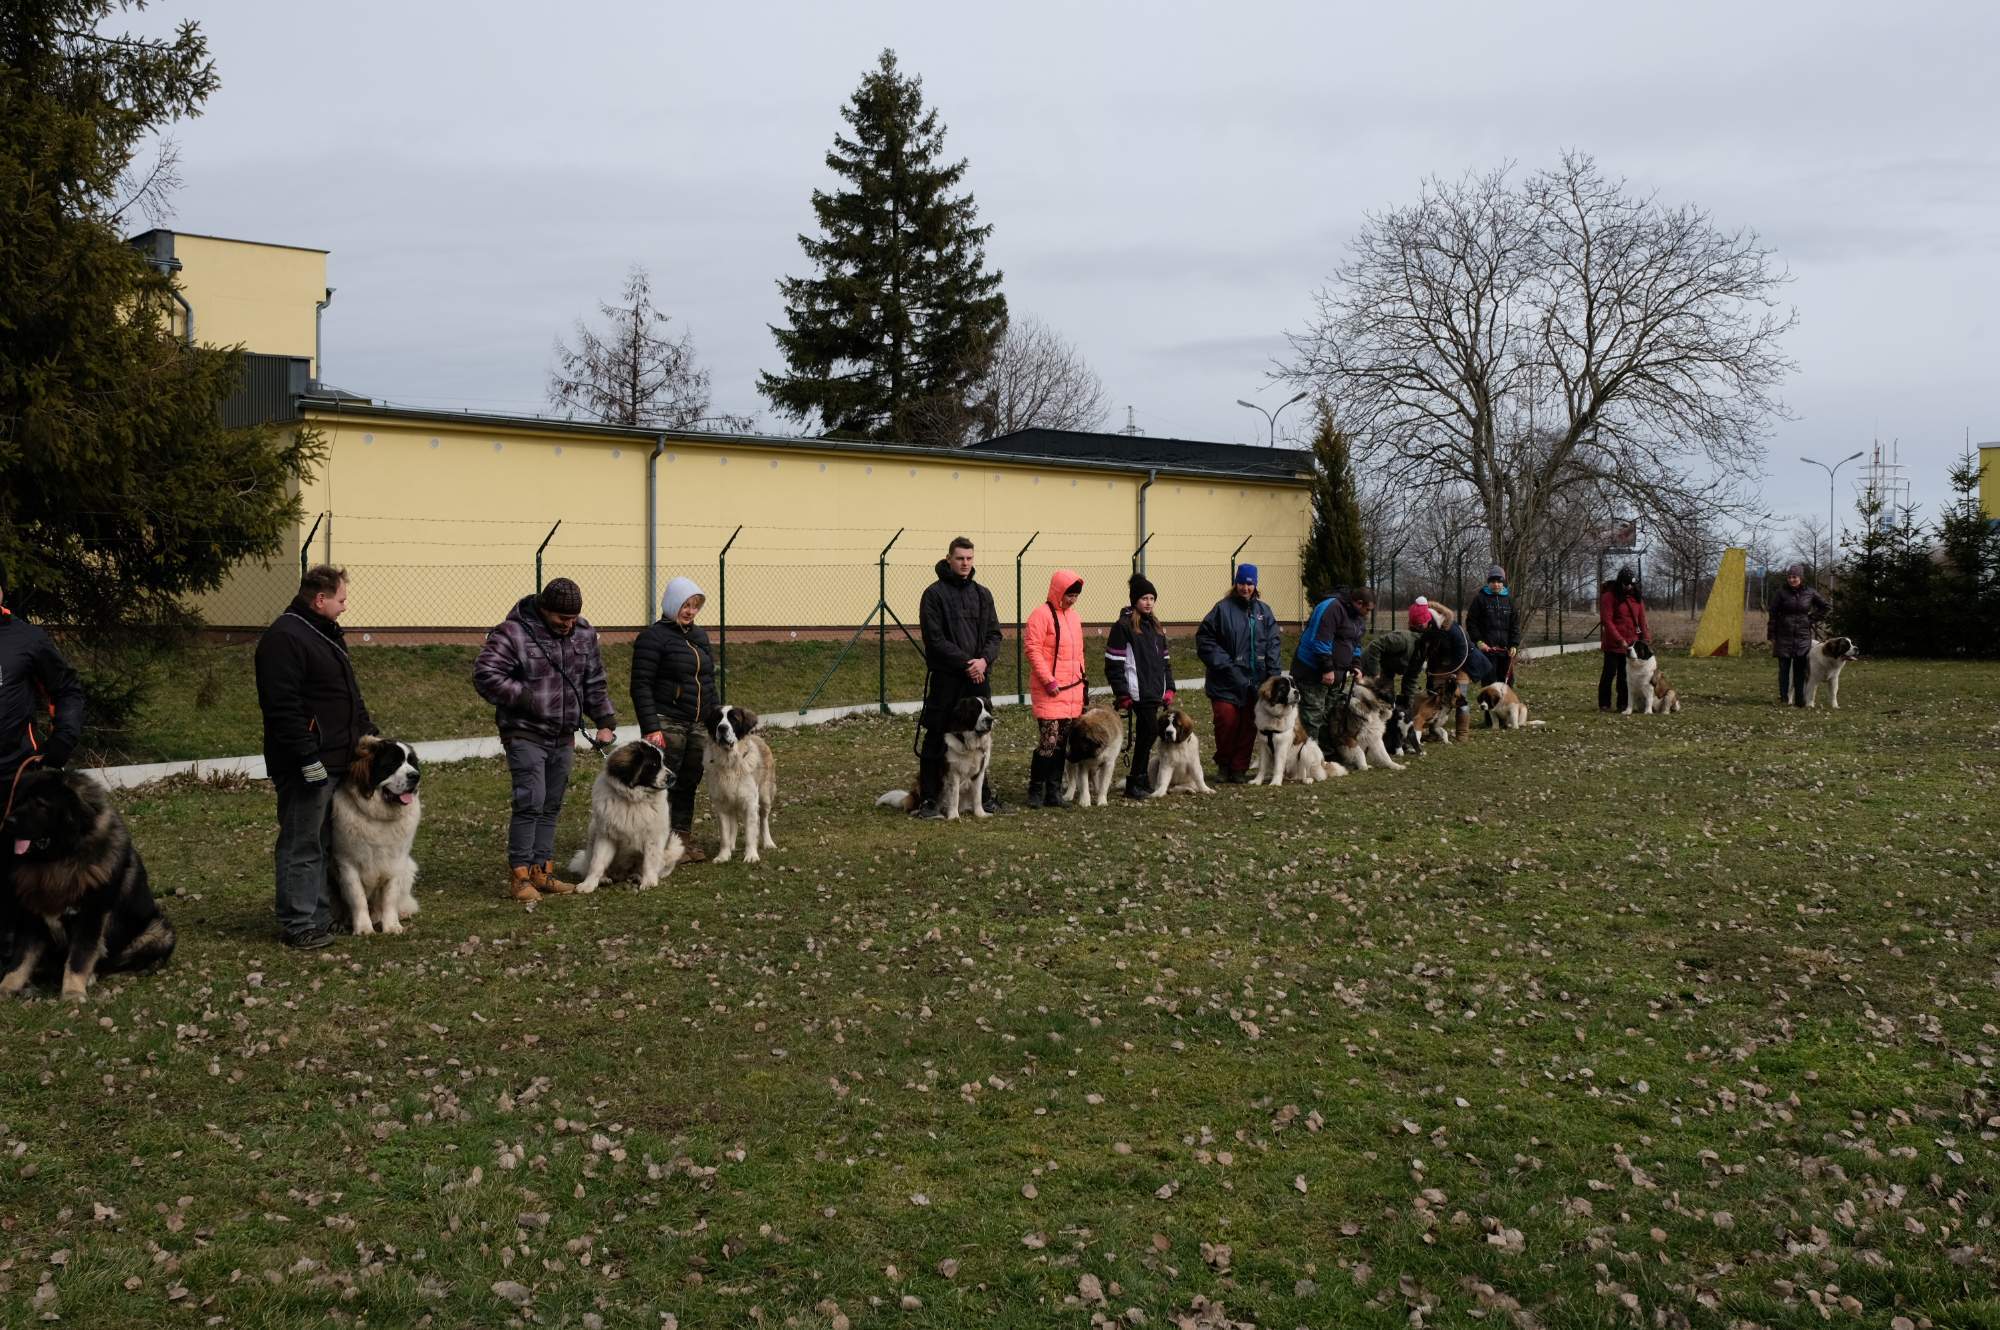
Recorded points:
(1052, 639)
(1622, 612)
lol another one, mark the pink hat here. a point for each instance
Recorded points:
(1420, 613)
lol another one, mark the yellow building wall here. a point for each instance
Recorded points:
(1989, 481)
(259, 296)
(437, 524)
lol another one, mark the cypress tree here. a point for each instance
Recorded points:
(1333, 555)
(120, 489)
(900, 316)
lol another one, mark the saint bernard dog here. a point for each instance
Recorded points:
(631, 832)
(375, 815)
(1823, 666)
(1278, 730)
(968, 756)
(1650, 693)
(1504, 707)
(1095, 741)
(75, 887)
(742, 780)
(1361, 727)
(1176, 760)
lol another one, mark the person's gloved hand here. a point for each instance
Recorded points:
(1123, 704)
(314, 772)
(657, 738)
(56, 755)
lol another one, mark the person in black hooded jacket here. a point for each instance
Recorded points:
(961, 635)
(673, 683)
(34, 677)
(1140, 671)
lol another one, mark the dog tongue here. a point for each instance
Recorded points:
(20, 847)
(407, 797)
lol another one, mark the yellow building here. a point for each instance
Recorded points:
(439, 516)
(1989, 480)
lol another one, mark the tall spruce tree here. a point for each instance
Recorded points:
(1334, 555)
(120, 489)
(900, 316)
(1967, 588)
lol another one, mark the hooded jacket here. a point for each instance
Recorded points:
(1053, 643)
(673, 668)
(1793, 614)
(1447, 650)
(307, 692)
(1136, 663)
(542, 686)
(1491, 619)
(1332, 639)
(34, 677)
(1622, 612)
(1238, 645)
(958, 623)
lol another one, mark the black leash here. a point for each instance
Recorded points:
(589, 736)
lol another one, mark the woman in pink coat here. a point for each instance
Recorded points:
(1052, 639)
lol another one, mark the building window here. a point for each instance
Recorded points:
(368, 438)
(434, 443)
(496, 445)
(617, 453)
(558, 450)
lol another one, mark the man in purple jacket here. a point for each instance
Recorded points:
(542, 672)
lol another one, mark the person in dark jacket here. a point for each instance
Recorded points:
(1139, 669)
(1399, 655)
(1621, 614)
(1492, 625)
(1238, 645)
(313, 717)
(1456, 672)
(543, 673)
(961, 636)
(673, 682)
(1796, 610)
(34, 680)
(1328, 655)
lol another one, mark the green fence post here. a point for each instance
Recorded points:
(538, 554)
(882, 623)
(305, 546)
(1020, 686)
(1232, 558)
(1136, 554)
(722, 617)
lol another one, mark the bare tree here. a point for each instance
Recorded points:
(633, 373)
(1809, 544)
(1523, 341)
(1035, 378)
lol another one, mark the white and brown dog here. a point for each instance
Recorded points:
(1361, 727)
(1278, 730)
(1176, 760)
(631, 832)
(1091, 760)
(1823, 666)
(1649, 693)
(742, 780)
(1504, 707)
(375, 816)
(968, 755)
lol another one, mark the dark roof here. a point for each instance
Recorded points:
(1141, 450)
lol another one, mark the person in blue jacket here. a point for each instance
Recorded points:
(1328, 656)
(1238, 645)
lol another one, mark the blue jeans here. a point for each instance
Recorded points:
(541, 779)
(304, 854)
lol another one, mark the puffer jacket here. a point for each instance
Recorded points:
(1793, 614)
(1331, 639)
(958, 622)
(1052, 640)
(1136, 663)
(542, 686)
(1491, 619)
(1238, 645)
(673, 668)
(1447, 650)
(34, 678)
(307, 692)
(1623, 615)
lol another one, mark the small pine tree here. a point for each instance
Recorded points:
(1333, 555)
(633, 373)
(1966, 593)
(900, 319)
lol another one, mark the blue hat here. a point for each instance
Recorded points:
(1247, 572)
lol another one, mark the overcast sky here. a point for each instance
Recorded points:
(1167, 183)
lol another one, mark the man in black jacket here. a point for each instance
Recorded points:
(961, 632)
(34, 678)
(313, 717)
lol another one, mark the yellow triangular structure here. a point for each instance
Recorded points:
(1721, 629)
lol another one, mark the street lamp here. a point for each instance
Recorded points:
(1272, 416)
(1832, 529)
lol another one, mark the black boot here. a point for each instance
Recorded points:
(1052, 781)
(1135, 788)
(1037, 786)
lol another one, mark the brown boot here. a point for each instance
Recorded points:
(1464, 727)
(692, 853)
(547, 882)
(521, 883)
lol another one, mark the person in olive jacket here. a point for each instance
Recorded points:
(313, 717)
(961, 635)
(1796, 610)
(673, 682)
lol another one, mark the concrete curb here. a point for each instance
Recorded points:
(466, 750)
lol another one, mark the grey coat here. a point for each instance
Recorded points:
(1793, 614)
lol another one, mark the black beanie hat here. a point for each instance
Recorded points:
(1137, 586)
(560, 596)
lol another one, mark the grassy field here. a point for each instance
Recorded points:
(1646, 1021)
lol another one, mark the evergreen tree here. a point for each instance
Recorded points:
(901, 315)
(1967, 593)
(1333, 556)
(120, 489)
(633, 373)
